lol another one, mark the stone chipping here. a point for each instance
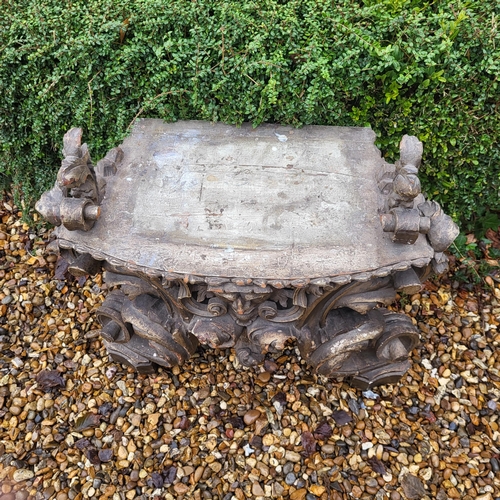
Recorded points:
(75, 425)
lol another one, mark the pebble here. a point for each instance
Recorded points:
(251, 416)
(248, 450)
(328, 449)
(317, 489)
(292, 456)
(257, 490)
(135, 419)
(23, 475)
(299, 494)
(181, 488)
(211, 429)
(356, 491)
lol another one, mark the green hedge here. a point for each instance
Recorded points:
(427, 68)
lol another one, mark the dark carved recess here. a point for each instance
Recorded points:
(340, 323)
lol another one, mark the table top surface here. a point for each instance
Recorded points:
(268, 202)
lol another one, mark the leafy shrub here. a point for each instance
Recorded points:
(427, 68)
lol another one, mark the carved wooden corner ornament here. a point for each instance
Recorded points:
(251, 239)
(407, 212)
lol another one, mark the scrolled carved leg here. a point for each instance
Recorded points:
(392, 349)
(141, 332)
(400, 337)
(270, 337)
(248, 353)
(346, 332)
(219, 332)
(260, 338)
(84, 265)
(372, 348)
(110, 316)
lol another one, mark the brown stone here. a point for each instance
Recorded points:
(356, 491)
(181, 488)
(299, 494)
(447, 473)
(317, 489)
(257, 490)
(264, 377)
(251, 416)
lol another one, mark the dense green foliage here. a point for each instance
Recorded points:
(427, 68)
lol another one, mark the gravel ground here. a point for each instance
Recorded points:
(75, 425)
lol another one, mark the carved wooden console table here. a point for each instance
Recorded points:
(248, 238)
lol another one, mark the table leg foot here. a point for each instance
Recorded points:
(371, 349)
(141, 332)
(248, 353)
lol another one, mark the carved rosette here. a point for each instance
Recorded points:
(339, 323)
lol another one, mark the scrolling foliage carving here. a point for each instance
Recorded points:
(407, 214)
(79, 189)
(340, 329)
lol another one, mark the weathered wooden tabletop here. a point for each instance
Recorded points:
(272, 202)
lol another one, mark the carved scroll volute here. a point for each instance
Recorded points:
(268, 310)
(400, 217)
(217, 306)
(406, 184)
(404, 215)
(74, 200)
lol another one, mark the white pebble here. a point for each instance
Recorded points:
(248, 450)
